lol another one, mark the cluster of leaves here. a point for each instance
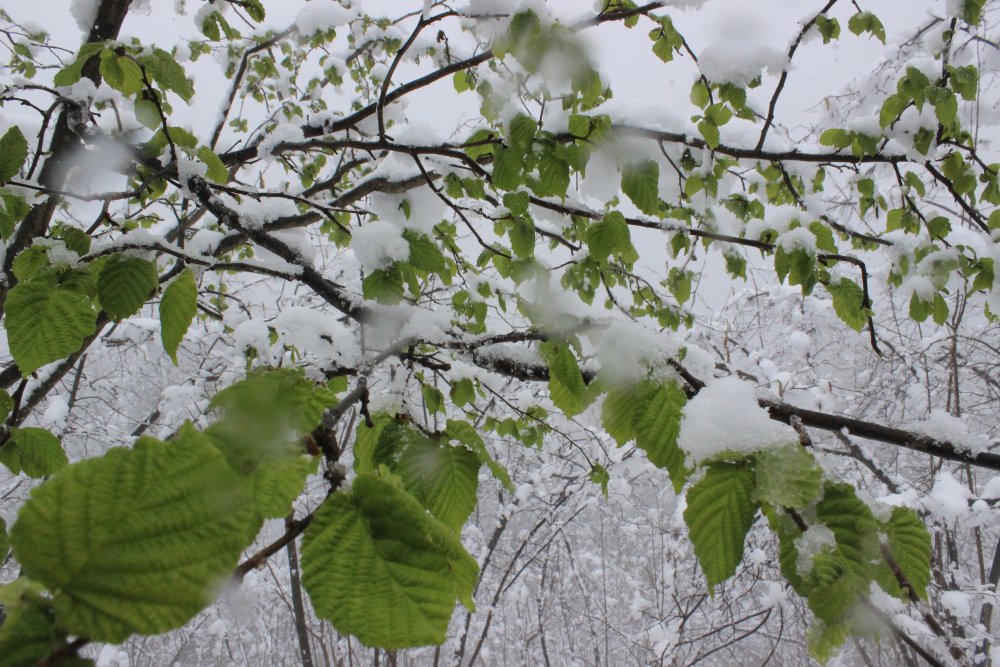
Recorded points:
(137, 540)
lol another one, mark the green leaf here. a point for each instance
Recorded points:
(366, 442)
(910, 546)
(787, 476)
(825, 639)
(848, 303)
(168, 73)
(508, 169)
(609, 235)
(276, 484)
(217, 171)
(866, 22)
(33, 451)
(566, 386)
(384, 286)
(28, 636)
(599, 475)
(640, 182)
(657, 423)
(710, 132)
(13, 153)
(852, 523)
(137, 540)
(720, 511)
(70, 74)
(379, 567)
(553, 176)
(972, 11)
(124, 285)
(263, 416)
(443, 478)
(121, 73)
(517, 202)
(6, 405)
(424, 253)
(618, 413)
(700, 96)
(13, 210)
(829, 28)
(522, 132)
(964, 81)
(462, 392)
(46, 323)
(466, 434)
(835, 138)
(178, 306)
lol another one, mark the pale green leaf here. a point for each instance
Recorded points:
(276, 483)
(720, 511)
(46, 323)
(566, 387)
(124, 285)
(640, 181)
(909, 546)
(443, 478)
(379, 567)
(178, 306)
(848, 303)
(13, 153)
(217, 171)
(609, 235)
(466, 434)
(787, 476)
(137, 540)
(852, 523)
(657, 423)
(33, 451)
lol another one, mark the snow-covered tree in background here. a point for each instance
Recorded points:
(339, 332)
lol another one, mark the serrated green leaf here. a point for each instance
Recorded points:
(829, 28)
(852, 523)
(384, 286)
(710, 132)
(103, 535)
(508, 169)
(720, 511)
(178, 306)
(263, 417)
(13, 209)
(46, 323)
(609, 235)
(618, 412)
(848, 303)
(168, 73)
(443, 478)
(640, 182)
(277, 483)
(553, 176)
(835, 138)
(33, 451)
(657, 423)
(566, 386)
(379, 567)
(124, 285)
(366, 441)
(522, 132)
(909, 545)
(825, 639)
(787, 476)
(462, 392)
(517, 202)
(13, 153)
(464, 433)
(121, 73)
(424, 253)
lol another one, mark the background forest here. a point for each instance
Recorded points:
(351, 332)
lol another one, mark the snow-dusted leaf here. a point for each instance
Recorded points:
(657, 423)
(566, 387)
